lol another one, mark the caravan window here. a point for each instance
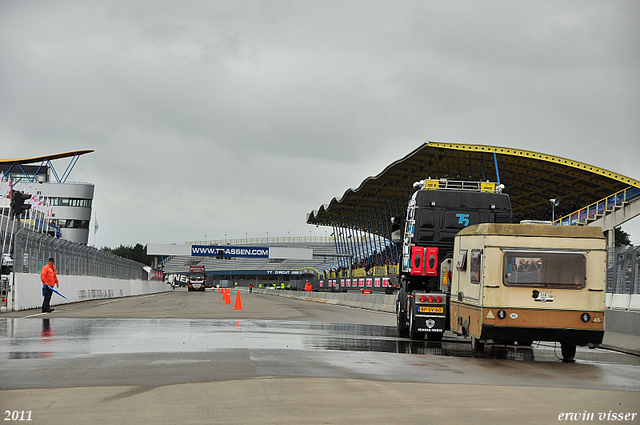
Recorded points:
(461, 264)
(545, 269)
(474, 265)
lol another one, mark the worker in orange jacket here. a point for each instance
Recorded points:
(49, 278)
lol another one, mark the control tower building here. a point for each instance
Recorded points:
(64, 206)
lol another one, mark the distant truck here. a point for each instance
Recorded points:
(197, 278)
(7, 264)
(437, 211)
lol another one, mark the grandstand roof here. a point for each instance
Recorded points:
(43, 160)
(530, 179)
(36, 159)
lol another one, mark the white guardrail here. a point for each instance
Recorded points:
(26, 292)
(629, 302)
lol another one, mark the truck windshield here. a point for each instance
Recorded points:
(196, 275)
(545, 269)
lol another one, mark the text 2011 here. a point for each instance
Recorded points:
(17, 415)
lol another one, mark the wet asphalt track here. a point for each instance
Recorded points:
(319, 363)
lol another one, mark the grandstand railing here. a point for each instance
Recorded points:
(598, 209)
(380, 271)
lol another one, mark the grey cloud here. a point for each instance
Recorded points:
(226, 105)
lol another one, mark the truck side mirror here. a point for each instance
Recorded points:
(396, 235)
(396, 230)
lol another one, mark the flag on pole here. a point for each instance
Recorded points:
(95, 223)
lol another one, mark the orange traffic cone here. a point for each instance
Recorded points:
(227, 297)
(238, 305)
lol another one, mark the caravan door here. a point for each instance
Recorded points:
(468, 291)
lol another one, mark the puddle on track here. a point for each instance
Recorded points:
(29, 338)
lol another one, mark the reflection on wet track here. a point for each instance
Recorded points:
(69, 352)
(31, 338)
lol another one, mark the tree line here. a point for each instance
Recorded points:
(136, 253)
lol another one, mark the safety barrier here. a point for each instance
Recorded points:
(373, 301)
(26, 292)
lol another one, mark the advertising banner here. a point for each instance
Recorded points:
(229, 251)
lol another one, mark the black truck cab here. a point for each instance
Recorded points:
(437, 211)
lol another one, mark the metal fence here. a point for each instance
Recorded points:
(32, 250)
(624, 276)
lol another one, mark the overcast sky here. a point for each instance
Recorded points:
(214, 118)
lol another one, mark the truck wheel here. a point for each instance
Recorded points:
(401, 322)
(435, 336)
(477, 347)
(568, 352)
(401, 316)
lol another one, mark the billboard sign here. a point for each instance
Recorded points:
(229, 251)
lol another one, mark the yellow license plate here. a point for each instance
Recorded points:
(422, 309)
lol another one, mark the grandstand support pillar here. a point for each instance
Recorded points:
(335, 238)
(356, 242)
(385, 219)
(380, 230)
(364, 242)
(376, 233)
(344, 241)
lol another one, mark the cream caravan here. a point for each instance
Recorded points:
(529, 282)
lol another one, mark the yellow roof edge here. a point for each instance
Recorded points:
(540, 156)
(49, 157)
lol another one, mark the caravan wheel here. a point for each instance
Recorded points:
(568, 352)
(477, 347)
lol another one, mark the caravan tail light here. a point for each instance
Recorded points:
(438, 299)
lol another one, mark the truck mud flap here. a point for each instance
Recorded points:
(428, 324)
